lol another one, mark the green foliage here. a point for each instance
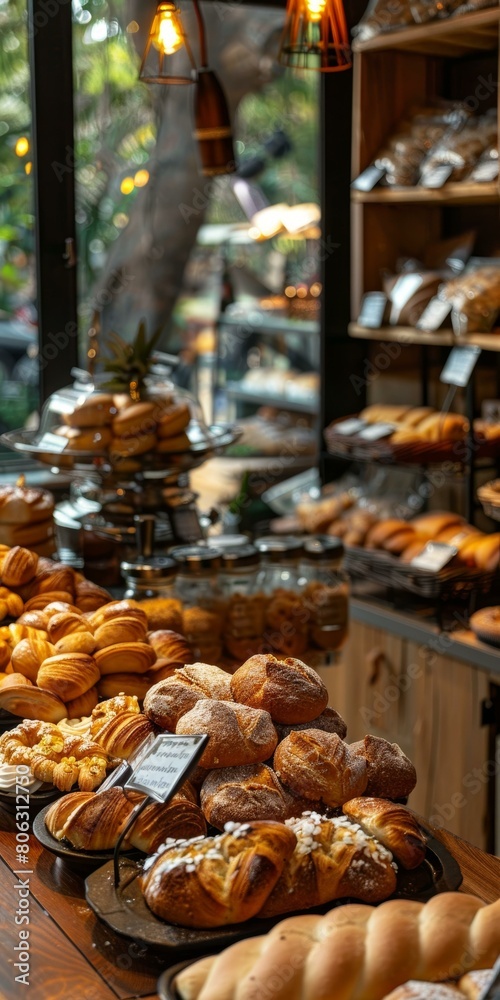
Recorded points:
(131, 363)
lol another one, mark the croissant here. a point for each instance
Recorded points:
(36, 619)
(76, 642)
(68, 675)
(116, 609)
(126, 628)
(89, 597)
(125, 657)
(56, 576)
(333, 859)
(11, 605)
(16, 746)
(41, 601)
(123, 734)
(353, 952)
(82, 706)
(5, 654)
(171, 647)
(19, 566)
(32, 703)
(217, 880)
(106, 710)
(393, 825)
(29, 654)
(136, 685)
(66, 623)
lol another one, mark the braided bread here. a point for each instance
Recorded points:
(354, 952)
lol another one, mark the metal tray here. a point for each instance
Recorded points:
(125, 911)
(82, 861)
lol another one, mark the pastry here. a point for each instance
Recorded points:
(96, 411)
(242, 794)
(126, 628)
(391, 774)
(76, 642)
(486, 625)
(123, 734)
(333, 859)
(168, 700)
(173, 445)
(329, 721)
(11, 605)
(319, 766)
(19, 566)
(66, 623)
(111, 610)
(32, 703)
(27, 535)
(41, 601)
(125, 657)
(94, 439)
(329, 956)
(286, 688)
(393, 825)
(174, 419)
(430, 525)
(170, 647)
(137, 419)
(106, 710)
(217, 880)
(68, 675)
(82, 706)
(237, 734)
(115, 684)
(29, 654)
(127, 447)
(22, 505)
(89, 597)
(55, 576)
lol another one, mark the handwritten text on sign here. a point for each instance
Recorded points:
(163, 770)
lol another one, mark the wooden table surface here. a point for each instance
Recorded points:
(74, 955)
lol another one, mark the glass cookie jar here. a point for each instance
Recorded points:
(279, 559)
(325, 591)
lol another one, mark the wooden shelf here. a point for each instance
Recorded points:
(234, 391)
(457, 36)
(450, 194)
(441, 338)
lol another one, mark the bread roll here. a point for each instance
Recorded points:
(380, 533)
(329, 721)
(286, 688)
(219, 880)
(96, 411)
(487, 552)
(41, 601)
(384, 413)
(135, 419)
(68, 675)
(57, 576)
(392, 825)
(443, 427)
(89, 597)
(237, 733)
(243, 794)
(319, 766)
(391, 774)
(76, 642)
(21, 505)
(168, 700)
(430, 525)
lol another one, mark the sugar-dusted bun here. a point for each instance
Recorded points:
(96, 411)
(329, 721)
(380, 533)
(113, 685)
(117, 609)
(29, 654)
(170, 699)
(135, 419)
(391, 775)
(237, 734)
(125, 657)
(319, 766)
(21, 505)
(89, 597)
(286, 688)
(242, 794)
(174, 420)
(19, 567)
(68, 675)
(117, 630)
(430, 525)
(170, 647)
(163, 613)
(84, 705)
(64, 624)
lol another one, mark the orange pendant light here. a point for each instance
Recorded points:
(167, 38)
(315, 36)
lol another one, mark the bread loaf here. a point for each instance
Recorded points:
(329, 721)
(168, 700)
(237, 733)
(392, 825)
(243, 794)
(220, 880)
(286, 688)
(319, 766)
(353, 952)
(391, 774)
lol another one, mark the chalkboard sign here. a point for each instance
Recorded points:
(166, 766)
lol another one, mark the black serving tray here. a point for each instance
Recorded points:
(80, 861)
(124, 909)
(37, 800)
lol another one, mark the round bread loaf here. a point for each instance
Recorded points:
(170, 699)
(319, 766)
(288, 689)
(237, 734)
(329, 721)
(391, 775)
(242, 794)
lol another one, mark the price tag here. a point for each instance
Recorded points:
(484, 172)
(460, 365)
(349, 427)
(53, 443)
(434, 557)
(372, 310)
(369, 178)
(434, 314)
(166, 765)
(437, 178)
(375, 431)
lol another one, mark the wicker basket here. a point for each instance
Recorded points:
(422, 453)
(389, 571)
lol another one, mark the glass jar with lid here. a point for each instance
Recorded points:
(279, 562)
(197, 582)
(325, 590)
(149, 577)
(239, 570)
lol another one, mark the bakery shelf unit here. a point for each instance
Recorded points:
(455, 58)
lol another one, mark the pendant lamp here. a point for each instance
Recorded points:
(315, 36)
(167, 38)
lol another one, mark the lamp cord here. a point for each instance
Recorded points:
(202, 35)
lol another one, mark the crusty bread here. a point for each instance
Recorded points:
(286, 688)
(354, 952)
(329, 721)
(319, 766)
(242, 794)
(237, 733)
(168, 700)
(391, 774)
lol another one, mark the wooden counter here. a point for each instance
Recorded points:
(69, 947)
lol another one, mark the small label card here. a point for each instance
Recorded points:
(434, 557)
(165, 767)
(376, 431)
(52, 443)
(348, 427)
(459, 366)
(373, 307)
(437, 178)
(434, 314)
(369, 178)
